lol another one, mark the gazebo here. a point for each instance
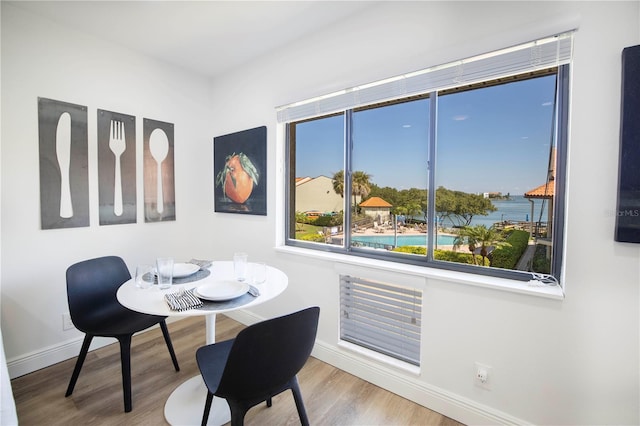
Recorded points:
(546, 191)
(543, 192)
(376, 208)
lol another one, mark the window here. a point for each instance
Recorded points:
(463, 170)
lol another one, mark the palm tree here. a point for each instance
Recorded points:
(338, 183)
(479, 236)
(463, 237)
(360, 184)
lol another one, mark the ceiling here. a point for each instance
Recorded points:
(206, 37)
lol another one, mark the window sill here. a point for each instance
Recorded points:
(531, 288)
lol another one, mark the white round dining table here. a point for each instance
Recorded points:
(185, 405)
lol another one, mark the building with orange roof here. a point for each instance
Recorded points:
(377, 208)
(546, 191)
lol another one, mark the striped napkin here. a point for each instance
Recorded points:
(182, 300)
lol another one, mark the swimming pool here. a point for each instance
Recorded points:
(403, 240)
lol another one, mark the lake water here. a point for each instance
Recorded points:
(516, 209)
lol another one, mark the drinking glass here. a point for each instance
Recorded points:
(259, 272)
(164, 266)
(240, 266)
(144, 276)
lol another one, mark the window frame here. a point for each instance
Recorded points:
(561, 129)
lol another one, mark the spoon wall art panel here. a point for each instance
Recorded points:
(159, 181)
(240, 172)
(63, 147)
(116, 167)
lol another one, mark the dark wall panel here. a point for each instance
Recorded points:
(628, 211)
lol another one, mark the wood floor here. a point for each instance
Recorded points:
(332, 397)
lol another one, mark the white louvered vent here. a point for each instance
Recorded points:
(382, 317)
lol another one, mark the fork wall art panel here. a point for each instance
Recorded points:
(64, 181)
(240, 172)
(159, 182)
(116, 167)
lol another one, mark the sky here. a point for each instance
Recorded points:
(495, 139)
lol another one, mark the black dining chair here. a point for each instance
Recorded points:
(95, 310)
(261, 362)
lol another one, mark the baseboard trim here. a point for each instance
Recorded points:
(57, 353)
(440, 400)
(50, 355)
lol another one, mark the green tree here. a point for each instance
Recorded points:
(479, 236)
(409, 208)
(457, 206)
(360, 184)
(412, 202)
(300, 219)
(390, 195)
(338, 183)
(460, 207)
(407, 201)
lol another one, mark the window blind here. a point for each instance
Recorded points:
(533, 56)
(382, 317)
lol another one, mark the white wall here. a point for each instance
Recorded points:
(42, 59)
(574, 361)
(554, 362)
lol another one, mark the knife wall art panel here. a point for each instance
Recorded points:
(159, 182)
(64, 181)
(116, 167)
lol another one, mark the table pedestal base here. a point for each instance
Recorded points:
(186, 405)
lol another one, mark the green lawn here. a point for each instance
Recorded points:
(304, 229)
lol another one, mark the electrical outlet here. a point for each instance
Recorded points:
(482, 376)
(66, 321)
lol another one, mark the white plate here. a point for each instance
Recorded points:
(221, 290)
(181, 270)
